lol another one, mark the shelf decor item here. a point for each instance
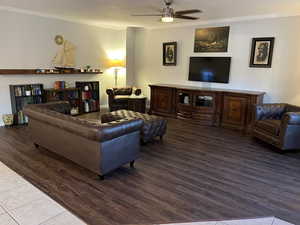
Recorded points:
(8, 119)
(65, 58)
(213, 39)
(262, 52)
(117, 64)
(59, 85)
(170, 54)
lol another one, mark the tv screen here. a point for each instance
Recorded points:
(210, 69)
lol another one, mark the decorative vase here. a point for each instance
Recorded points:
(8, 119)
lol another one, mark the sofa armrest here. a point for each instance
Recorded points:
(137, 92)
(110, 92)
(269, 111)
(292, 118)
(108, 117)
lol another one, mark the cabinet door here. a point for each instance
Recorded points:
(235, 111)
(162, 100)
(204, 102)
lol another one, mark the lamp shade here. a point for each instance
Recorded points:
(116, 63)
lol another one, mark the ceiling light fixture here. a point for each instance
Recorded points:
(168, 14)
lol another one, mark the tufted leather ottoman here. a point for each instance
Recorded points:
(154, 126)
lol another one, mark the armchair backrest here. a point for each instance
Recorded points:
(292, 108)
(270, 111)
(122, 91)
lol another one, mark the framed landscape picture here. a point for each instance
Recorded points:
(213, 39)
(262, 52)
(170, 54)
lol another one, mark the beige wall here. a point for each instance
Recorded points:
(281, 82)
(26, 41)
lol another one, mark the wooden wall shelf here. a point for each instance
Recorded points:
(34, 72)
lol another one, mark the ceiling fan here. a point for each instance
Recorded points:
(168, 14)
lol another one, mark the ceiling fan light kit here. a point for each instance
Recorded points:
(167, 19)
(168, 15)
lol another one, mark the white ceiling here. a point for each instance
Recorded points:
(118, 12)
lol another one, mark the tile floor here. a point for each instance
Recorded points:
(260, 221)
(23, 204)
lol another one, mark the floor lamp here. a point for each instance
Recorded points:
(117, 64)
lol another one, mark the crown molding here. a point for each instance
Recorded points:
(66, 19)
(224, 21)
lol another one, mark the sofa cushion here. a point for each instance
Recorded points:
(153, 125)
(270, 126)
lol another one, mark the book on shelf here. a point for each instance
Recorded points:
(59, 85)
(91, 105)
(27, 90)
(22, 119)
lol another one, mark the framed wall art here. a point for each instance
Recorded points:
(262, 52)
(170, 54)
(213, 39)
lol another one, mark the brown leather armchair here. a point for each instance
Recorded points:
(118, 97)
(278, 124)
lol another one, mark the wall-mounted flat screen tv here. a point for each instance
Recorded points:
(210, 69)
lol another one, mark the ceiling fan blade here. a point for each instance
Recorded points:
(185, 17)
(146, 15)
(188, 11)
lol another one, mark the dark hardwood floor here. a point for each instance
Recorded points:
(196, 173)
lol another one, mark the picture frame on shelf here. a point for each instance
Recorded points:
(170, 54)
(262, 52)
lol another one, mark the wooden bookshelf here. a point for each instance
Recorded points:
(34, 72)
(90, 98)
(21, 95)
(72, 95)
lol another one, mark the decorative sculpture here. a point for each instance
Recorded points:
(65, 58)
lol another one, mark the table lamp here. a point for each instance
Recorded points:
(117, 64)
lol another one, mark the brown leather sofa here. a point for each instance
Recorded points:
(98, 147)
(118, 97)
(278, 124)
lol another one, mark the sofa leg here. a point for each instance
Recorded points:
(101, 177)
(132, 164)
(36, 145)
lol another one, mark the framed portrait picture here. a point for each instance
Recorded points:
(213, 39)
(170, 54)
(262, 52)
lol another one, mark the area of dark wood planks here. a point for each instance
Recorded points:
(197, 173)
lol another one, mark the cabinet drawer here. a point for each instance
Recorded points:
(197, 116)
(184, 115)
(204, 119)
